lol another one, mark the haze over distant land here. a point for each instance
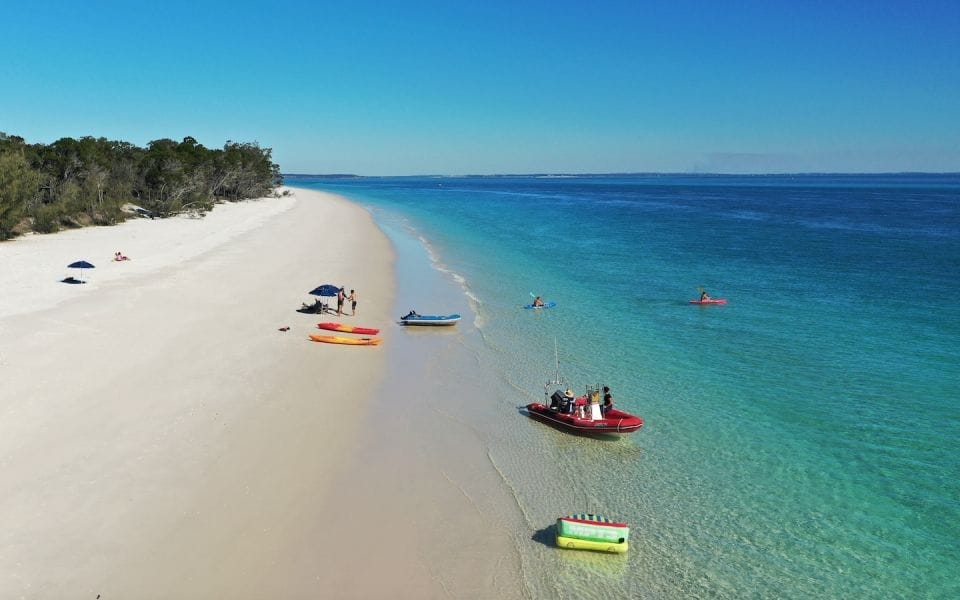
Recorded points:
(500, 87)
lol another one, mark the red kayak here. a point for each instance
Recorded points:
(710, 301)
(348, 328)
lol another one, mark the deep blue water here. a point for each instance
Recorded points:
(800, 441)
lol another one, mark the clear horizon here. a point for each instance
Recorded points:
(498, 88)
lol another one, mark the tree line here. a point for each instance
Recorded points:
(87, 181)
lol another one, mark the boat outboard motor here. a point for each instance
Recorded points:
(556, 400)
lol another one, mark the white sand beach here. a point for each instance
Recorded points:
(160, 437)
(158, 430)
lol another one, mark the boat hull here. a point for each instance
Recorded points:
(616, 422)
(430, 320)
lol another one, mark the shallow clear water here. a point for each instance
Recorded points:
(799, 441)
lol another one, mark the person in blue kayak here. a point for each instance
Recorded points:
(537, 302)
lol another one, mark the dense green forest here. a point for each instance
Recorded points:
(73, 183)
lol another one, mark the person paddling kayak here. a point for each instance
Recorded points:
(705, 299)
(537, 302)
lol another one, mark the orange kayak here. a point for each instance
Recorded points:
(336, 339)
(348, 328)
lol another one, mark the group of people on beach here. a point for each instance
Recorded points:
(342, 298)
(352, 299)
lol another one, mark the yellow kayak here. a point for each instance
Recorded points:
(578, 544)
(336, 339)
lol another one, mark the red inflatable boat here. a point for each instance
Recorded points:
(615, 422)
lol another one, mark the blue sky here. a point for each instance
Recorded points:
(452, 87)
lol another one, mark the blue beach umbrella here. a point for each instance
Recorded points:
(80, 264)
(326, 289)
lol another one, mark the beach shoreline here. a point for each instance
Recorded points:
(164, 436)
(161, 437)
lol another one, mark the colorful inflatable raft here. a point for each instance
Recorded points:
(592, 532)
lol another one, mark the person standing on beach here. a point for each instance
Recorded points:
(340, 298)
(353, 302)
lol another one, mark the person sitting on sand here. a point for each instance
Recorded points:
(119, 256)
(537, 302)
(316, 307)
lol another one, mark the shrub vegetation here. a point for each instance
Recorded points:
(73, 183)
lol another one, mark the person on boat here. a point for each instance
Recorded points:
(607, 401)
(412, 313)
(537, 302)
(556, 399)
(704, 295)
(570, 400)
(580, 407)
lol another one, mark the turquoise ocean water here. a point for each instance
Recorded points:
(801, 441)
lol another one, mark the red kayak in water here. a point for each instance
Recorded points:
(710, 301)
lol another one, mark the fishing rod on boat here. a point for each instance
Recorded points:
(557, 380)
(556, 357)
